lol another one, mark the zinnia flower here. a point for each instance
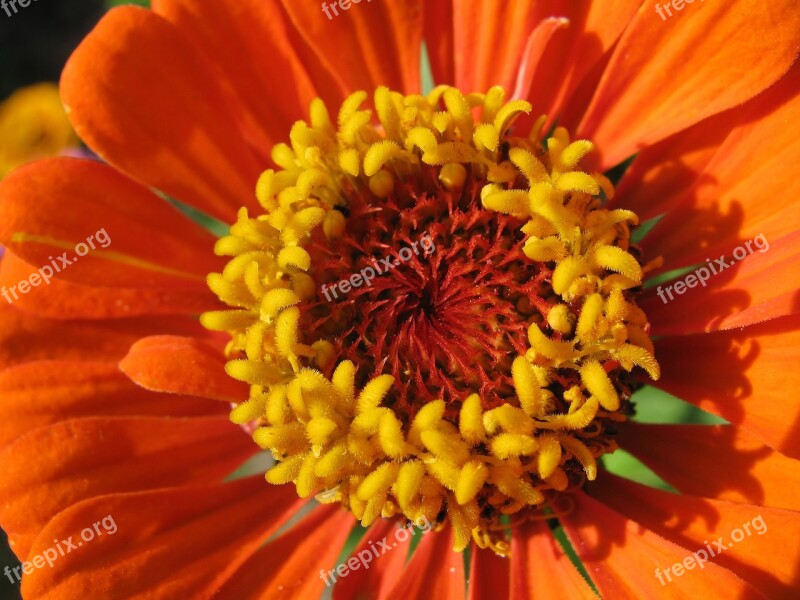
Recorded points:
(33, 125)
(428, 309)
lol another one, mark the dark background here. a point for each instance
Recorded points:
(35, 42)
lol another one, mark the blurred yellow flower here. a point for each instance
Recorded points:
(33, 124)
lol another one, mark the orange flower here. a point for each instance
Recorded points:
(471, 387)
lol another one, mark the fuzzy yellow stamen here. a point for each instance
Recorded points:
(343, 435)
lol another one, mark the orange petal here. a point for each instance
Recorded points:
(64, 300)
(367, 45)
(52, 468)
(539, 567)
(576, 50)
(747, 377)
(494, 43)
(25, 337)
(384, 556)
(434, 571)
(686, 69)
(180, 365)
(624, 559)
(293, 565)
(248, 44)
(532, 55)
(663, 173)
(763, 286)
(759, 544)
(488, 575)
(173, 543)
(41, 393)
(744, 191)
(718, 461)
(130, 237)
(490, 39)
(438, 34)
(141, 95)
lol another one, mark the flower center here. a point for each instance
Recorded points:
(438, 293)
(436, 315)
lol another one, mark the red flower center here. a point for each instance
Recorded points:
(439, 294)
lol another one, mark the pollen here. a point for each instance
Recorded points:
(435, 312)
